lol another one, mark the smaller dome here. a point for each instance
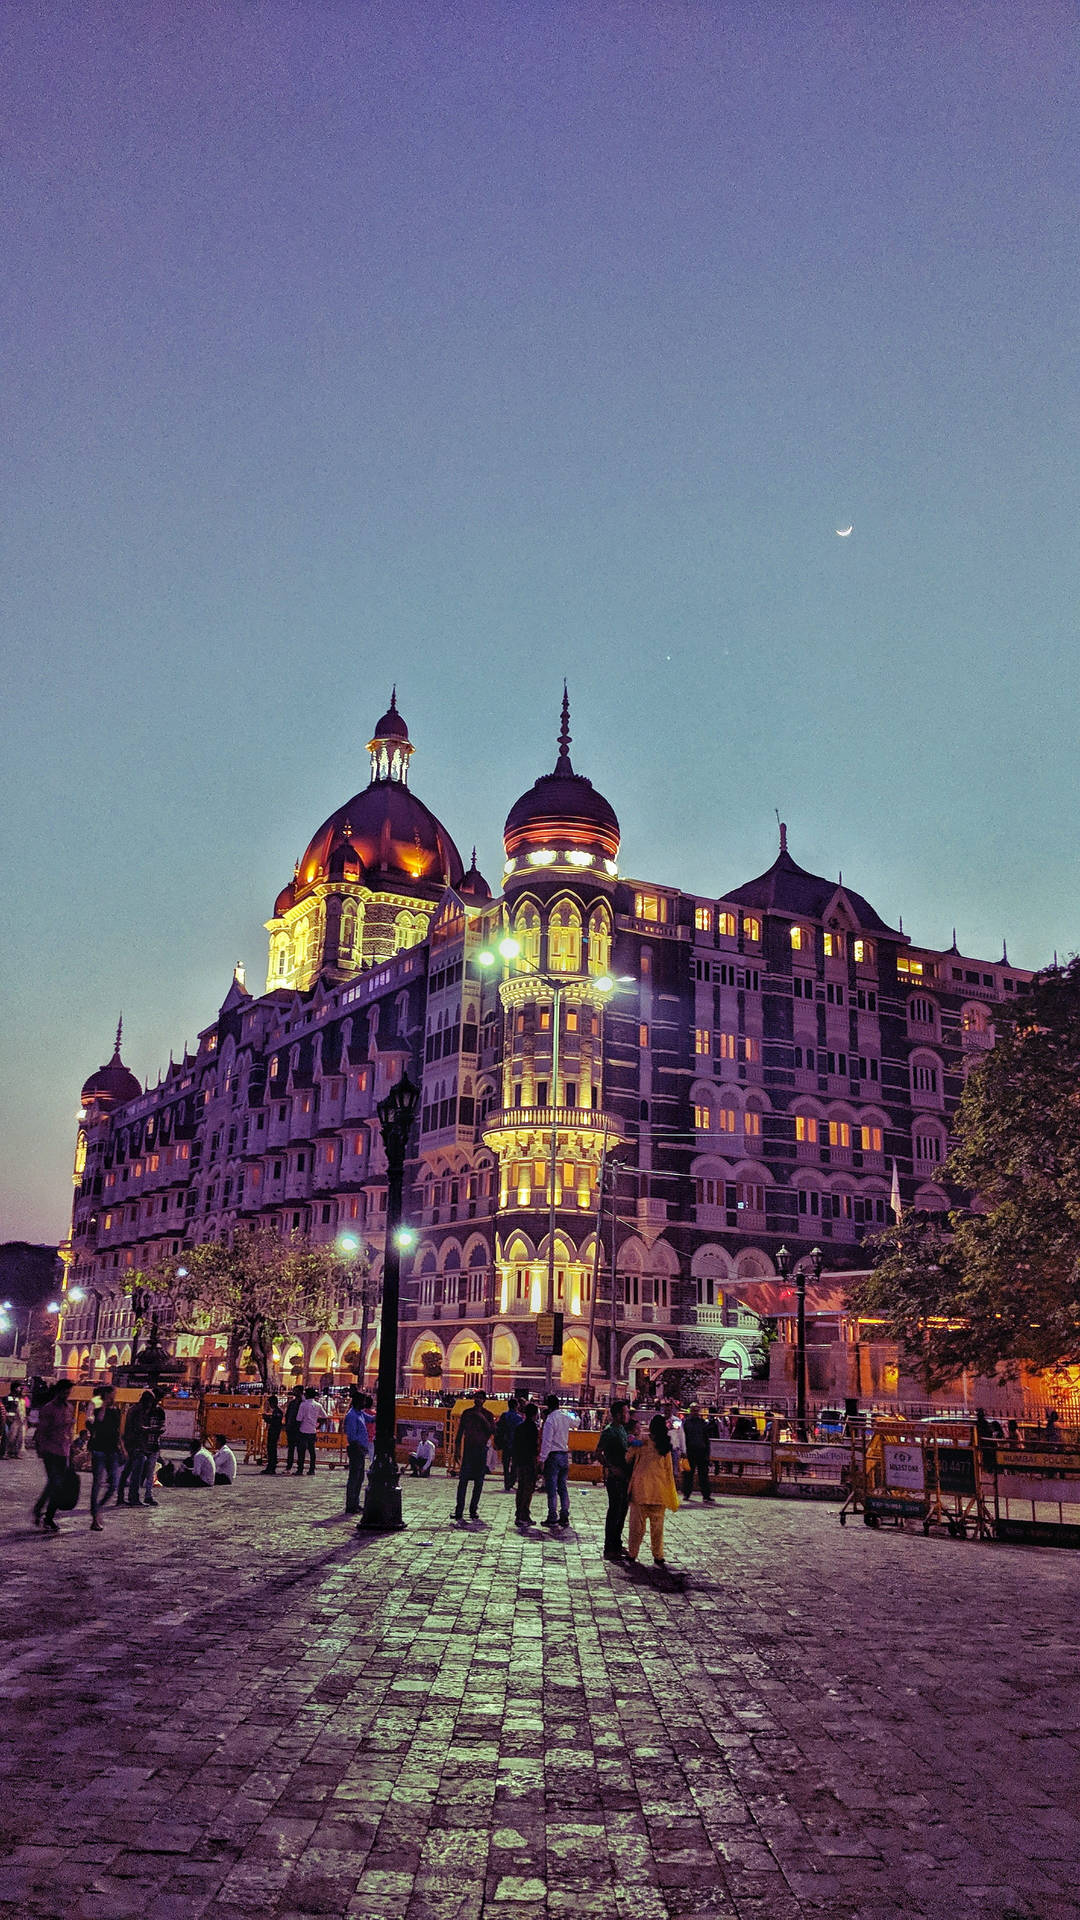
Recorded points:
(562, 810)
(286, 899)
(113, 1083)
(391, 726)
(474, 886)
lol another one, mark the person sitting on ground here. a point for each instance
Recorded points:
(420, 1460)
(224, 1462)
(198, 1471)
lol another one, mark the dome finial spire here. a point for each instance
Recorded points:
(562, 764)
(119, 1037)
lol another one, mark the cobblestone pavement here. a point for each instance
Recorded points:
(236, 1704)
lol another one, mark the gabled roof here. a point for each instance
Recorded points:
(787, 888)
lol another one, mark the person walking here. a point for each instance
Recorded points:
(613, 1450)
(525, 1442)
(357, 1442)
(55, 1431)
(272, 1421)
(696, 1437)
(292, 1408)
(308, 1415)
(505, 1427)
(652, 1491)
(475, 1429)
(106, 1454)
(555, 1461)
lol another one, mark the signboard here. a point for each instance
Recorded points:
(904, 1468)
(895, 1506)
(956, 1470)
(549, 1333)
(740, 1451)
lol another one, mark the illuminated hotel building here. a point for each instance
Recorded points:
(744, 1067)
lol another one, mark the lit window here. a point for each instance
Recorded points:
(651, 906)
(571, 1020)
(905, 964)
(751, 1122)
(870, 1139)
(544, 1021)
(727, 1048)
(702, 1118)
(806, 1127)
(702, 1040)
(864, 953)
(751, 927)
(703, 919)
(726, 925)
(799, 939)
(751, 1048)
(727, 1119)
(835, 946)
(839, 1133)
(643, 1035)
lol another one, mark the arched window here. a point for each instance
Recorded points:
(564, 939)
(527, 933)
(922, 1012)
(347, 938)
(599, 941)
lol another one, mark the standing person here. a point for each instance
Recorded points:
(475, 1429)
(652, 1491)
(308, 1415)
(55, 1431)
(292, 1408)
(612, 1448)
(696, 1434)
(555, 1460)
(525, 1442)
(142, 1446)
(505, 1427)
(677, 1435)
(16, 1423)
(153, 1428)
(356, 1447)
(106, 1454)
(272, 1421)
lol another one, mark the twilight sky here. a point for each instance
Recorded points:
(471, 345)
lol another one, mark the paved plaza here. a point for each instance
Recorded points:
(238, 1705)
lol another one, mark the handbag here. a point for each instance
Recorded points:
(69, 1491)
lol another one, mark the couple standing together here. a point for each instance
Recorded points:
(639, 1478)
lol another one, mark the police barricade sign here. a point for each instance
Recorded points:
(1037, 1496)
(806, 1468)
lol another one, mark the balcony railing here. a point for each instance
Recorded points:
(543, 1119)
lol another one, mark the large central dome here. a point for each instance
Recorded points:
(383, 837)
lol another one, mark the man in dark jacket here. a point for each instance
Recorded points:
(525, 1444)
(292, 1408)
(106, 1453)
(612, 1448)
(696, 1435)
(505, 1427)
(475, 1429)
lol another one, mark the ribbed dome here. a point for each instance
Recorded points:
(113, 1082)
(384, 834)
(562, 810)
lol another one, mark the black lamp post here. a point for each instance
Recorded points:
(382, 1502)
(783, 1262)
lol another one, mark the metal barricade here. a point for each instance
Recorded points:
(1036, 1494)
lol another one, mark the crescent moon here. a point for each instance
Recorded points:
(843, 532)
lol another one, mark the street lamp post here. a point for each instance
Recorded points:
(783, 1262)
(382, 1501)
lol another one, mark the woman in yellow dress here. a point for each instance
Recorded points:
(652, 1491)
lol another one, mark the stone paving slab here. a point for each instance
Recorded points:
(236, 1704)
